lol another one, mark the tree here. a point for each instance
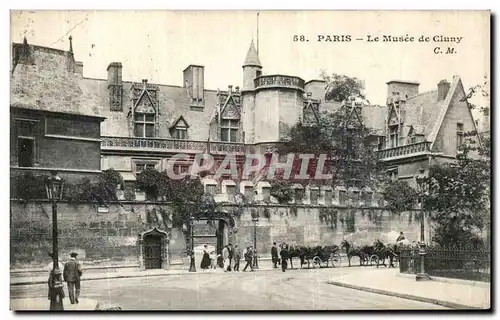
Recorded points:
(457, 196)
(341, 137)
(400, 196)
(187, 196)
(340, 87)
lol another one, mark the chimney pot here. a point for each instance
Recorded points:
(237, 89)
(144, 80)
(230, 88)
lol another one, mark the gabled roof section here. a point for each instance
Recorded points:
(180, 122)
(44, 80)
(444, 106)
(252, 58)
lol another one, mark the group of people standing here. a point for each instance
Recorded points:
(280, 258)
(229, 259)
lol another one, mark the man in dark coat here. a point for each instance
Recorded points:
(274, 255)
(249, 259)
(72, 273)
(237, 258)
(400, 237)
(284, 257)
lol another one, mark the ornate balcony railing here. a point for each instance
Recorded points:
(279, 81)
(405, 150)
(133, 143)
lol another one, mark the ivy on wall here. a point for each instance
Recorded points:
(28, 186)
(282, 191)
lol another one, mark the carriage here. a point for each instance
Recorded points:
(322, 256)
(382, 252)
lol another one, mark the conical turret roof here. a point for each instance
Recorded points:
(252, 58)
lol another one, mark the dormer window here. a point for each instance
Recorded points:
(394, 136)
(229, 130)
(144, 125)
(179, 130)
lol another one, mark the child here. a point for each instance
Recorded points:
(213, 260)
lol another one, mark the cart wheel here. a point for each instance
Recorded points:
(335, 260)
(317, 262)
(374, 260)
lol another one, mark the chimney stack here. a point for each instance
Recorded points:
(230, 89)
(443, 88)
(115, 86)
(115, 73)
(79, 68)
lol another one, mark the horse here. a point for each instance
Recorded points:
(352, 252)
(296, 252)
(383, 252)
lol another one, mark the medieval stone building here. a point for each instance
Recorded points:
(81, 126)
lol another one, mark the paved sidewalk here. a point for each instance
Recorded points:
(388, 282)
(42, 279)
(40, 304)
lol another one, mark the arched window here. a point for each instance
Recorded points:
(144, 125)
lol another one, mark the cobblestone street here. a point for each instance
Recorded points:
(269, 290)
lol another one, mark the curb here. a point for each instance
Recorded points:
(450, 280)
(27, 283)
(443, 303)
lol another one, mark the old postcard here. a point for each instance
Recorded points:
(250, 160)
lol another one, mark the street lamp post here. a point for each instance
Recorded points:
(192, 265)
(421, 183)
(54, 187)
(255, 260)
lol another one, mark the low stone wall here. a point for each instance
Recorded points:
(111, 237)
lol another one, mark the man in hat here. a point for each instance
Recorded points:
(72, 274)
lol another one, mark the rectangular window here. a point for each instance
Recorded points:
(229, 130)
(25, 152)
(26, 142)
(72, 128)
(140, 167)
(394, 136)
(144, 125)
(460, 136)
(342, 196)
(392, 174)
(180, 133)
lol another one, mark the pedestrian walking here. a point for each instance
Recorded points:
(284, 257)
(56, 290)
(72, 274)
(205, 261)
(274, 255)
(231, 257)
(249, 259)
(225, 258)
(237, 258)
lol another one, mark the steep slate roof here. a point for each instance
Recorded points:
(252, 58)
(48, 83)
(173, 102)
(425, 111)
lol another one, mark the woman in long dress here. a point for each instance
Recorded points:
(205, 261)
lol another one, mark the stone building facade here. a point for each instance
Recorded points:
(81, 126)
(55, 121)
(423, 129)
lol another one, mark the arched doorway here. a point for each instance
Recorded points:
(153, 249)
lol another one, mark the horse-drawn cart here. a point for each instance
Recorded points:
(323, 256)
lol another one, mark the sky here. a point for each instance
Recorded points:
(159, 45)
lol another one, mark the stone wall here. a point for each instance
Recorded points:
(112, 236)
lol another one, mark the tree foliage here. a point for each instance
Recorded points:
(186, 195)
(400, 196)
(341, 137)
(340, 87)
